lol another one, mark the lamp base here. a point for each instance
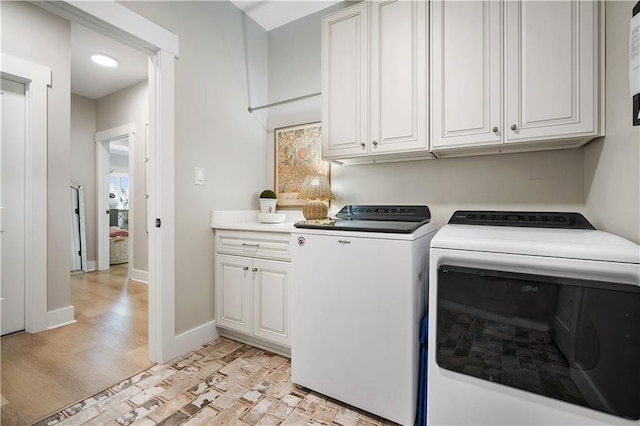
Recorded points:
(315, 210)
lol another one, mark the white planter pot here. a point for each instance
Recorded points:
(268, 205)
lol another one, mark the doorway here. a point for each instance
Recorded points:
(120, 210)
(115, 192)
(120, 23)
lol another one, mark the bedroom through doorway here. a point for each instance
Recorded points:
(119, 184)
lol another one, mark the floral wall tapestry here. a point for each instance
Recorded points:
(298, 153)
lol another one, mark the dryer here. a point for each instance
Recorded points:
(534, 318)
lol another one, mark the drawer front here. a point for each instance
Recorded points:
(254, 244)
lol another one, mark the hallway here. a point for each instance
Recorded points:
(44, 372)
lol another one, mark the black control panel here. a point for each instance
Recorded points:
(521, 219)
(390, 213)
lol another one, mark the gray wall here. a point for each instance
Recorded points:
(294, 70)
(38, 36)
(82, 158)
(131, 105)
(612, 171)
(600, 180)
(222, 69)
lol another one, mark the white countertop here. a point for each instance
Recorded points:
(247, 220)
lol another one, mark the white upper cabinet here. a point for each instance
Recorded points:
(374, 81)
(551, 68)
(513, 76)
(466, 73)
(345, 94)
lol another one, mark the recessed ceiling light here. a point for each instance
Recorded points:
(104, 60)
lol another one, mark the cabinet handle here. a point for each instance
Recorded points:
(495, 129)
(246, 268)
(362, 144)
(514, 127)
(250, 245)
(254, 270)
(375, 143)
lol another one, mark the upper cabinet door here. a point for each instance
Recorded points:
(466, 73)
(551, 69)
(398, 114)
(345, 97)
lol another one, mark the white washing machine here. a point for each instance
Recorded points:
(359, 287)
(534, 318)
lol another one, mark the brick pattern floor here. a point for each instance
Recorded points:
(221, 383)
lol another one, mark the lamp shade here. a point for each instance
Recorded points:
(316, 187)
(316, 191)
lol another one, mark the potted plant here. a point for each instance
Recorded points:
(268, 200)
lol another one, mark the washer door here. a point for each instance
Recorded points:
(575, 340)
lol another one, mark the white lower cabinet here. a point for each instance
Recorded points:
(252, 292)
(271, 300)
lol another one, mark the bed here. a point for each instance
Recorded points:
(118, 245)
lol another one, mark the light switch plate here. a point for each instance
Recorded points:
(199, 176)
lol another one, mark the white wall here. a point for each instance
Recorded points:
(131, 105)
(221, 71)
(82, 158)
(36, 35)
(531, 181)
(612, 165)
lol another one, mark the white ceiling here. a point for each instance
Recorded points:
(270, 14)
(94, 81)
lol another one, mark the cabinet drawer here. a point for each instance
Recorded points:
(253, 244)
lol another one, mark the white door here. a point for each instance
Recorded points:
(345, 88)
(271, 300)
(399, 47)
(233, 292)
(12, 289)
(551, 52)
(466, 73)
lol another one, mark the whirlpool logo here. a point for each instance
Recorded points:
(529, 289)
(301, 241)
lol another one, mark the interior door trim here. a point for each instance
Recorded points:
(36, 79)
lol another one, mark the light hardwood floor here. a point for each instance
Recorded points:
(43, 372)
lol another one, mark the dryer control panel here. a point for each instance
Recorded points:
(521, 219)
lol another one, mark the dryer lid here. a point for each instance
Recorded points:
(584, 244)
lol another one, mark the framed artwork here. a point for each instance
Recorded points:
(298, 153)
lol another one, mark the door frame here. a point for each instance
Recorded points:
(102, 140)
(122, 24)
(36, 79)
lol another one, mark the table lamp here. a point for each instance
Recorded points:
(316, 191)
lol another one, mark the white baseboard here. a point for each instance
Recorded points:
(140, 276)
(195, 337)
(257, 342)
(60, 317)
(91, 266)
